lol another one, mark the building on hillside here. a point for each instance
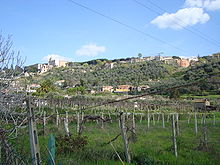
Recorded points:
(107, 88)
(42, 68)
(57, 63)
(201, 104)
(169, 60)
(193, 61)
(216, 55)
(142, 59)
(26, 74)
(183, 62)
(158, 58)
(150, 58)
(62, 63)
(52, 62)
(109, 65)
(123, 88)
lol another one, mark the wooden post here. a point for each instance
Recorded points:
(213, 119)
(78, 121)
(67, 117)
(57, 119)
(153, 119)
(189, 116)
(204, 132)
(158, 118)
(141, 118)
(163, 120)
(33, 137)
(177, 125)
(44, 122)
(109, 116)
(174, 135)
(196, 127)
(168, 118)
(82, 117)
(124, 136)
(148, 120)
(133, 123)
(66, 126)
(203, 118)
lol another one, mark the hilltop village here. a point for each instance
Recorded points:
(103, 76)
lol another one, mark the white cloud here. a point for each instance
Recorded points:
(207, 4)
(90, 50)
(55, 57)
(182, 18)
(194, 3)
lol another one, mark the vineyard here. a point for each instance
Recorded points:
(65, 131)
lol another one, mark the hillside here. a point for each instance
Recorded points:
(96, 73)
(99, 75)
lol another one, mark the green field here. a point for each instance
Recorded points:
(149, 146)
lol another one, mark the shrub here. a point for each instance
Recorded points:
(67, 144)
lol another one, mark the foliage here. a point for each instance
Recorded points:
(46, 86)
(133, 74)
(76, 90)
(68, 144)
(94, 74)
(31, 68)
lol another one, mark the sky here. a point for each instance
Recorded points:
(81, 30)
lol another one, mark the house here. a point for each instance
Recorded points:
(109, 65)
(57, 63)
(201, 104)
(183, 62)
(193, 61)
(107, 88)
(62, 63)
(150, 58)
(158, 58)
(26, 74)
(169, 60)
(42, 68)
(123, 88)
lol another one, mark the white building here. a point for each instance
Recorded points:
(57, 63)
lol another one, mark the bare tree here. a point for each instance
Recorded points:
(10, 120)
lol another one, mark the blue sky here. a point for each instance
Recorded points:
(62, 29)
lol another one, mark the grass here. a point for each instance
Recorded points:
(200, 97)
(153, 146)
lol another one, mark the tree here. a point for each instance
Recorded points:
(46, 86)
(86, 65)
(176, 57)
(139, 55)
(9, 109)
(76, 90)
